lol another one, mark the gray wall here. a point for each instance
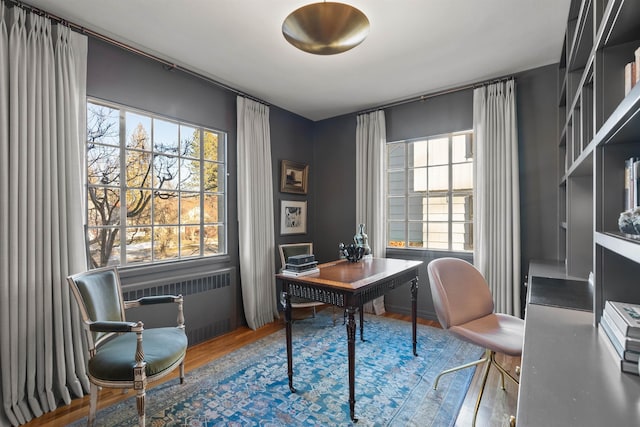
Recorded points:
(334, 154)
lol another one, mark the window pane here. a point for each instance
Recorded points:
(438, 235)
(104, 246)
(462, 176)
(213, 148)
(438, 178)
(213, 239)
(211, 173)
(165, 207)
(138, 207)
(418, 151)
(103, 165)
(396, 183)
(438, 208)
(462, 238)
(189, 141)
(417, 209)
(138, 172)
(395, 208)
(462, 148)
(396, 234)
(165, 243)
(396, 156)
(462, 208)
(165, 172)
(103, 124)
(190, 241)
(103, 206)
(189, 175)
(417, 180)
(417, 235)
(138, 245)
(138, 131)
(438, 151)
(190, 208)
(165, 137)
(213, 208)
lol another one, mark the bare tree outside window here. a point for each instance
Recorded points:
(153, 192)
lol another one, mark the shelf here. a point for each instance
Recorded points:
(583, 165)
(624, 123)
(617, 242)
(619, 23)
(583, 38)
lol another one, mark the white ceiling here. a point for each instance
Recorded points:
(414, 47)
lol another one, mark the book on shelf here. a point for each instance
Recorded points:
(631, 183)
(629, 77)
(300, 273)
(625, 365)
(637, 55)
(628, 355)
(623, 342)
(625, 316)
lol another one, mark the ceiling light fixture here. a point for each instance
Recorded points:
(325, 28)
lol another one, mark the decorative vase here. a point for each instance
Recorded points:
(362, 240)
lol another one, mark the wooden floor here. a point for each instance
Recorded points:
(497, 404)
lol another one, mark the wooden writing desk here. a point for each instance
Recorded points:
(349, 285)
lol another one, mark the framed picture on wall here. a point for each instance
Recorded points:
(293, 217)
(293, 178)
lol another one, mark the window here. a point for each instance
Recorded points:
(430, 193)
(155, 188)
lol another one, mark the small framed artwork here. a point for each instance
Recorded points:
(294, 177)
(293, 217)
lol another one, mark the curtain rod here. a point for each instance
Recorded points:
(166, 64)
(434, 94)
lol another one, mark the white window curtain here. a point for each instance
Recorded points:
(371, 137)
(497, 196)
(255, 214)
(42, 127)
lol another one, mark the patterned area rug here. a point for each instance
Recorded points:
(249, 387)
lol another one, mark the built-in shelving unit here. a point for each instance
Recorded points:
(599, 129)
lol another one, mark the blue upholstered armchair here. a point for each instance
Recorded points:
(123, 354)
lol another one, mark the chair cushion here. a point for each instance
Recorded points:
(115, 359)
(499, 332)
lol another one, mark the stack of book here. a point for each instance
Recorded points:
(301, 265)
(620, 325)
(632, 183)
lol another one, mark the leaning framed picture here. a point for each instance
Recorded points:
(293, 217)
(294, 177)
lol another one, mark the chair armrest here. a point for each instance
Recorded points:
(160, 299)
(157, 299)
(114, 326)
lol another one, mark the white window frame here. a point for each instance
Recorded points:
(221, 193)
(406, 222)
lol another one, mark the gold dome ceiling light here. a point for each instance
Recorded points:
(325, 28)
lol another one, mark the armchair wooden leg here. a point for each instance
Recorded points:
(182, 372)
(93, 403)
(140, 397)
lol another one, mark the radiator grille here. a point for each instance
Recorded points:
(185, 287)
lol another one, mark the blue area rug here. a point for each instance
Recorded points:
(249, 387)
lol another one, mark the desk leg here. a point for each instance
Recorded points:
(351, 339)
(414, 313)
(362, 323)
(286, 302)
